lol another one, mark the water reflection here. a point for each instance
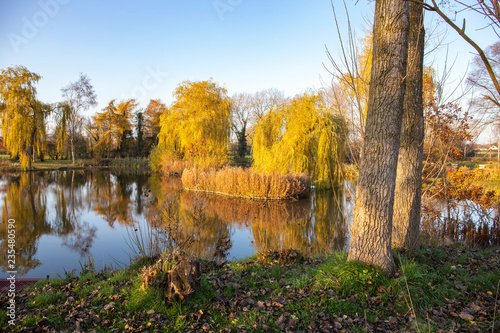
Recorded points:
(314, 225)
(89, 212)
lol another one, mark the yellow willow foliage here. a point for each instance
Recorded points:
(301, 137)
(197, 125)
(430, 87)
(23, 125)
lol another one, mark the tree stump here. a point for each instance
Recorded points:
(176, 284)
(184, 278)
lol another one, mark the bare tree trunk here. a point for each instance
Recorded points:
(407, 200)
(372, 225)
(72, 141)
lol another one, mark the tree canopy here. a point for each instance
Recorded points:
(197, 125)
(302, 136)
(23, 116)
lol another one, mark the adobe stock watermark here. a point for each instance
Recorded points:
(40, 19)
(151, 81)
(11, 265)
(224, 6)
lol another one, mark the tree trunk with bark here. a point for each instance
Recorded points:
(372, 225)
(407, 200)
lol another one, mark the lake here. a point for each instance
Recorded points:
(63, 218)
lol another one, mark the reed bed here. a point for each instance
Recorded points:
(467, 222)
(247, 183)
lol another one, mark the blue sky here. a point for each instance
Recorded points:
(144, 49)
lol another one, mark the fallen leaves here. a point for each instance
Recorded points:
(252, 297)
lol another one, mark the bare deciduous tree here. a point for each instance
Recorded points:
(79, 96)
(489, 10)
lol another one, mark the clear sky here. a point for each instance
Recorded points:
(144, 49)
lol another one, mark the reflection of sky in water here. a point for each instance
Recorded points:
(242, 243)
(93, 214)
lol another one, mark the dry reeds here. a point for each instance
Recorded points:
(466, 222)
(247, 183)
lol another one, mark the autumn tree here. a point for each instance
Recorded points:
(373, 211)
(152, 115)
(78, 96)
(348, 92)
(446, 129)
(303, 136)
(407, 199)
(114, 126)
(196, 126)
(124, 114)
(139, 130)
(23, 116)
(104, 129)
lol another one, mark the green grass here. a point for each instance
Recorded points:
(47, 298)
(268, 295)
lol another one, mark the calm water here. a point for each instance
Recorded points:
(64, 217)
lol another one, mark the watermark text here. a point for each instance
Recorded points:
(31, 27)
(11, 265)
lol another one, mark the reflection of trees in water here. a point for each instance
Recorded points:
(314, 225)
(189, 227)
(113, 195)
(27, 205)
(70, 202)
(53, 202)
(81, 239)
(26, 201)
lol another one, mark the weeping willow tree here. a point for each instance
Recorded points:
(302, 136)
(196, 127)
(23, 116)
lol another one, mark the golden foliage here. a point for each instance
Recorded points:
(302, 137)
(197, 126)
(168, 162)
(246, 183)
(112, 122)
(152, 115)
(23, 116)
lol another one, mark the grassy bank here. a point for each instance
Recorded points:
(117, 163)
(447, 288)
